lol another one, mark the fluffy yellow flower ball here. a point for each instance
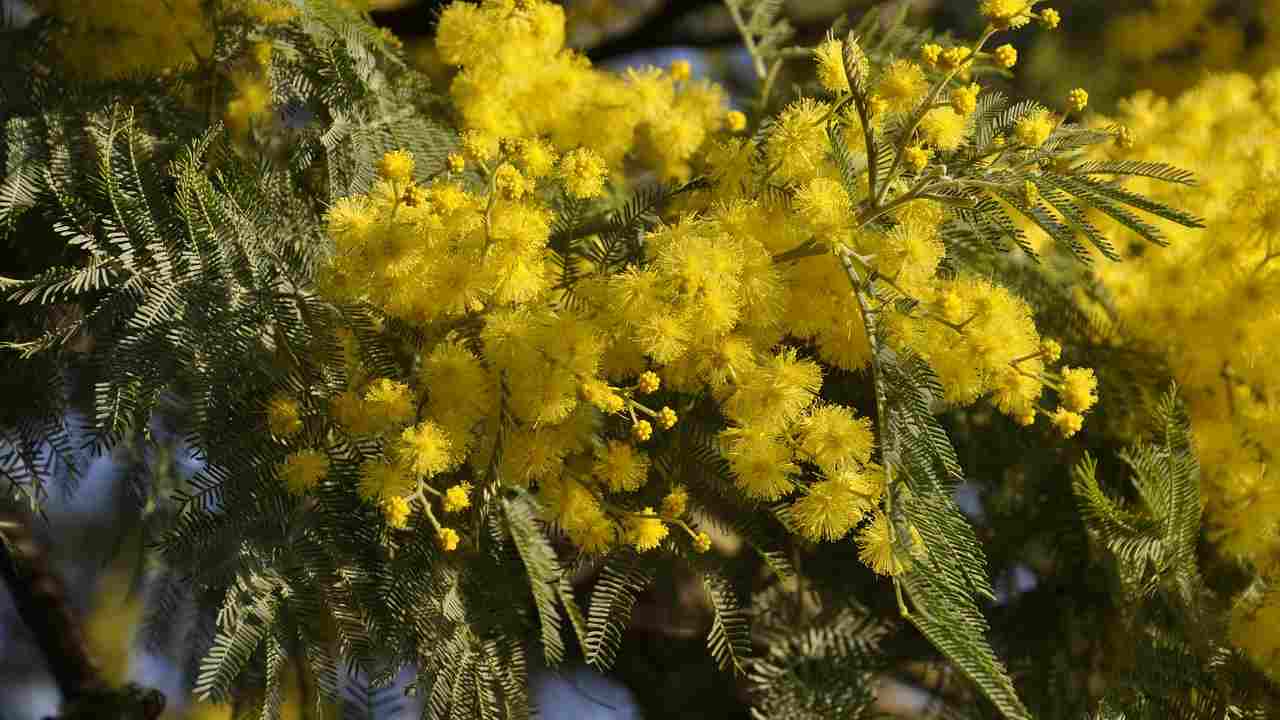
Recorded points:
(284, 416)
(875, 547)
(931, 53)
(964, 100)
(1067, 422)
(944, 128)
(1006, 56)
(396, 166)
(1006, 13)
(397, 510)
(676, 502)
(622, 467)
(832, 437)
(447, 538)
(641, 430)
(830, 59)
(645, 531)
(426, 449)
(457, 497)
(1079, 389)
(1078, 99)
(302, 470)
(902, 85)
(916, 157)
(1033, 129)
(583, 173)
(831, 508)
(649, 382)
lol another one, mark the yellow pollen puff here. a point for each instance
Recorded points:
(875, 547)
(602, 396)
(1068, 423)
(676, 502)
(667, 418)
(1050, 349)
(649, 382)
(831, 73)
(1050, 18)
(479, 145)
(681, 70)
(388, 404)
(824, 203)
(457, 498)
(447, 538)
(902, 85)
(396, 166)
(252, 101)
(1079, 389)
(954, 57)
(916, 157)
(1006, 13)
(1032, 130)
(508, 180)
(642, 430)
(833, 438)
(538, 157)
(284, 416)
(397, 511)
(1006, 56)
(736, 120)
(426, 448)
(646, 531)
(302, 470)
(830, 509)
(701, 542)
(931, 53)
(1077, 99)
(380, 479)
(964, 100)
(457, 162)
(583, 173)
(622, 467)
(943, 128)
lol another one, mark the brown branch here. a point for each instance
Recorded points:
(40, 598)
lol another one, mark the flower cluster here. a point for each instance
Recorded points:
(105, 39)
(1208, 301)
(564, 371)
(511, 58)
(1170, 44)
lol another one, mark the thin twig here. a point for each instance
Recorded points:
(887, 446)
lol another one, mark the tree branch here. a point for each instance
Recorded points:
(40, 598)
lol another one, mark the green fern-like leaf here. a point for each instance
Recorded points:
(729, 639)
(543, 570)
(621, 581)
